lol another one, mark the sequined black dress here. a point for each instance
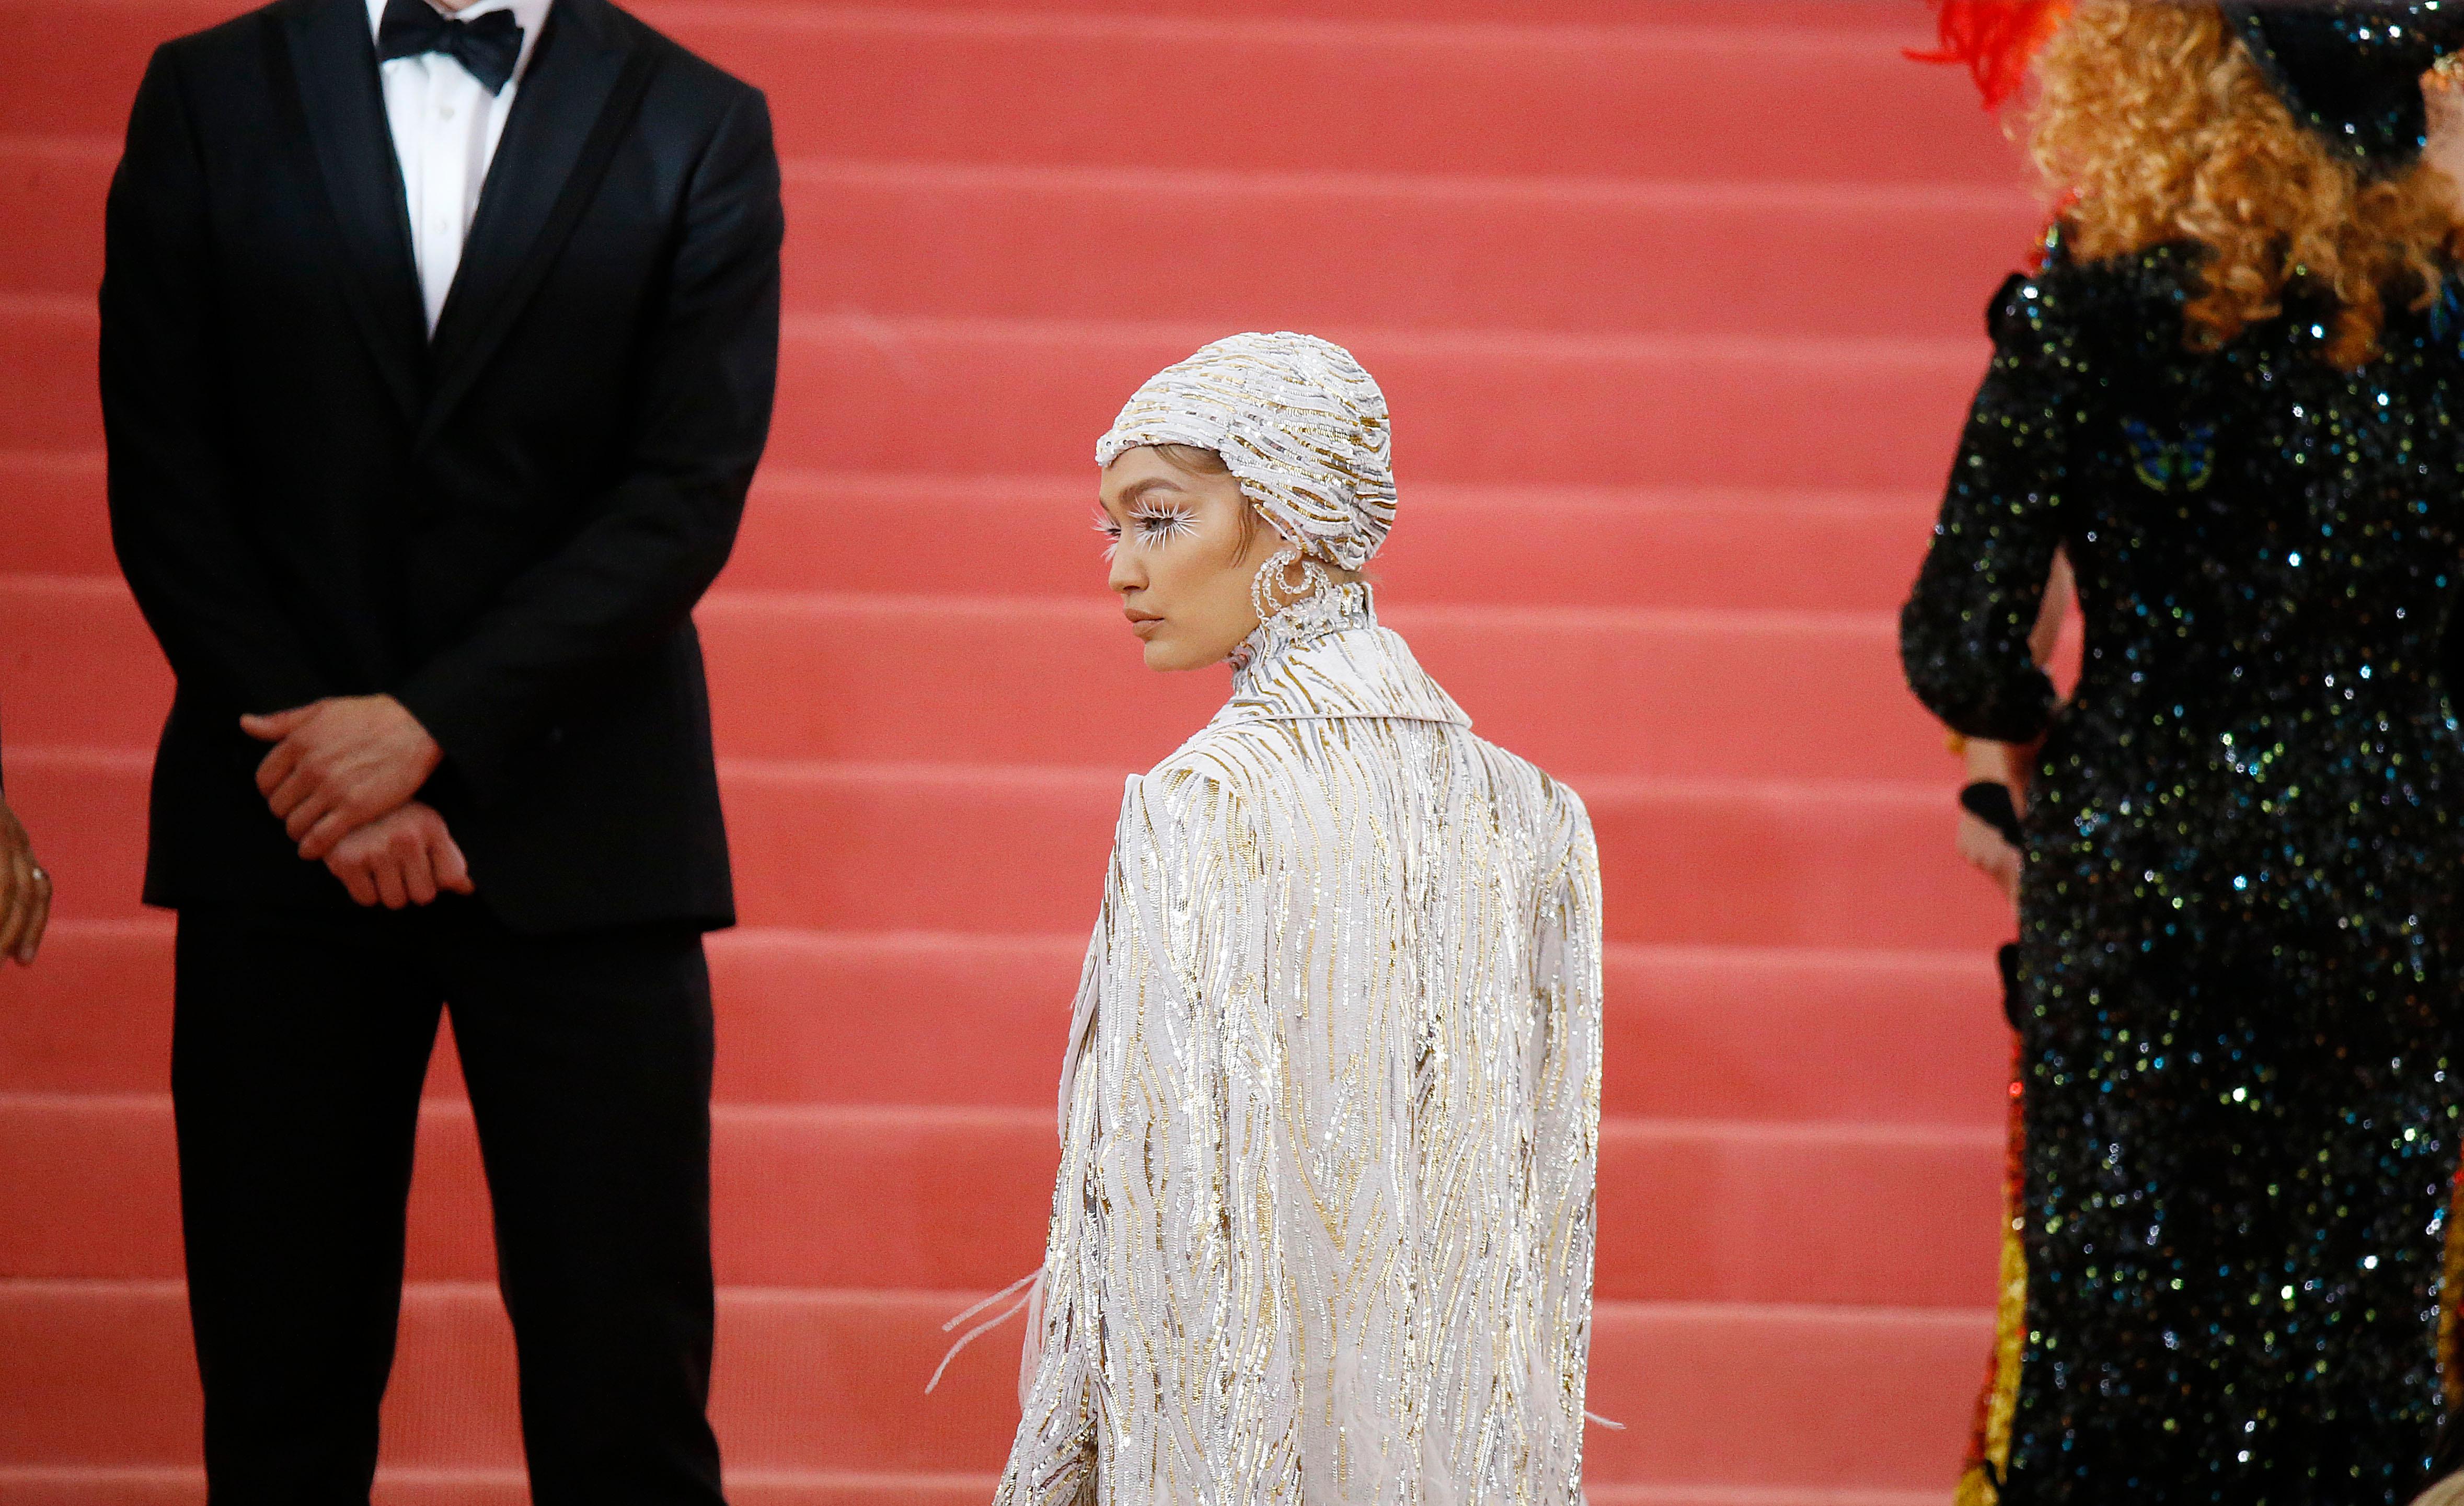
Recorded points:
(2241, 915)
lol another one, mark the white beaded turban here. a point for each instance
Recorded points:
(1297, 422)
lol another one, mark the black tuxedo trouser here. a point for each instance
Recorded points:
(299, 1049)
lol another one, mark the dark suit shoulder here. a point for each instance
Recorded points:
(240, 40)
(687, 80)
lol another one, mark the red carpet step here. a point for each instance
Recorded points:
(1703, 104)
(959, 1197)
(825, 1380)
(1715, 548)
(825, 846)
(1746, 1035)
(1029, 395)
(1878, 19)
(934, 240)
(397, 1487)
(1677, 694)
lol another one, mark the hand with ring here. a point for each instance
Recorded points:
(25, 892)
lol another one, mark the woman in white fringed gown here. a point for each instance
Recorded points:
(1330, 1120)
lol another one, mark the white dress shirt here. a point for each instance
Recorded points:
(445, 130)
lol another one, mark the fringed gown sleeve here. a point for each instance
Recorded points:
(1052, 1460)
(1965, 633)
(1564, 1071)
(1234, 1290)
(1158, 1316)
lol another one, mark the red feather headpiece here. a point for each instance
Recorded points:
(1997, 39)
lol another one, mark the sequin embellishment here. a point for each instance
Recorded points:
(2240, 916)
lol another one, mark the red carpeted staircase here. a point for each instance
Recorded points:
(1678, 304)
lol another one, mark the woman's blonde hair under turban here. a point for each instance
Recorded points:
(1297, 422)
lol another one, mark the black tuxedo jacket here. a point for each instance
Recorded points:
(506, 528)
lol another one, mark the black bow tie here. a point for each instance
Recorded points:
(486, 48)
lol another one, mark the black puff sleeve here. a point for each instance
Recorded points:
(1964, 632)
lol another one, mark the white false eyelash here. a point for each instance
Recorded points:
(1112, 531)
(1177, 523)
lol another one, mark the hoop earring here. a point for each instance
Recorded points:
(1269, 581)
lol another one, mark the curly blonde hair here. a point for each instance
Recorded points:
(2154, 126)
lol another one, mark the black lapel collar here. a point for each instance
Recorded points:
(569, 104)
(332, 61)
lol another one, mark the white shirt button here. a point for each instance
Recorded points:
(445, 112)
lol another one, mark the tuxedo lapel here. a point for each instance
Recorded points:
(333, 63)
(580, 86)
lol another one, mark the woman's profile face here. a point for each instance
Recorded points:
(1181, 559)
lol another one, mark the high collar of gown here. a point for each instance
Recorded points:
(1326, 657)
